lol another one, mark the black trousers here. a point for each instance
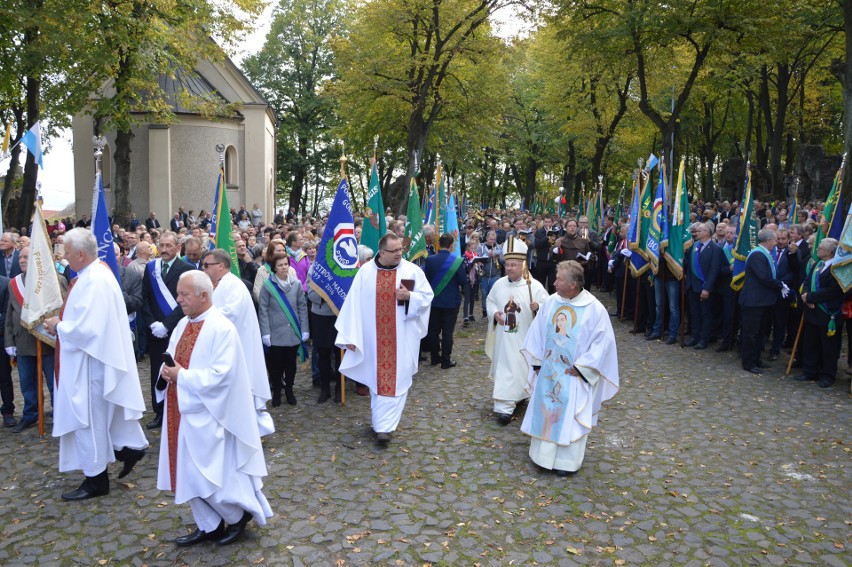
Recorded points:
(545, 273)
(442, 321)
(780, 316)
(820, 352)
(755, 321)
(7, 391)
(329, 362)
(156, 348)
(281, 363)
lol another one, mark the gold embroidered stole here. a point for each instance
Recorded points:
(386, 332)
(183, 352)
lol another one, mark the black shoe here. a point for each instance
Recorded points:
(450, 364)
(762, 364)
(82, 494)
(653, 337)
(755, 370)
(91, 487)
(671, 340)
(383, 438)
(233, 532)
(434, 362)
(723, 348)
(772, 356)
(700, 346)
(826, 382)
(690, 343)
(804, 378)
(324, 397)
(291, 398)
(156, 423)
(198, 536)
(129, 457)
(464, 323)
(504, 418)
(23, 424)
(563, 474)
(9, 421)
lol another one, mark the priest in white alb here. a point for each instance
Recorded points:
(512, 306)
(233, 299)
(210, 454)
(383, 318)
(570, 348)
(97, 397)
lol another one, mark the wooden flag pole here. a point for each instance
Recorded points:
(40, 388)
(682, 301)
(795, 345)
(343, 176)
(342, 381)
(623, 294)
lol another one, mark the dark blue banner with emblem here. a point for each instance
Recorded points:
(337, 254)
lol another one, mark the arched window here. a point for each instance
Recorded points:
(232, 173)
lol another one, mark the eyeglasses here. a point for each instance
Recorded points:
(206, 265)
(395, 251)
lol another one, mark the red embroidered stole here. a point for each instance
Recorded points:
(386, 332)
(56, 349)
(183, 352)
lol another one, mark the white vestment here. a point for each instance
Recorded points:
(233, 299)
(356, 325)
(509, 369)
(98, 397)
(564, 408)
(219, 454)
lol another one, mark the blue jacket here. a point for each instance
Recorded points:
(450, 297)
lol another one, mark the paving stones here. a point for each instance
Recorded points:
(694, 462)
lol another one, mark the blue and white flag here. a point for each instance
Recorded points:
(337, 254)
(658, 233)
(32, 140)
(451, 224)
(652, 162)
(101, 228)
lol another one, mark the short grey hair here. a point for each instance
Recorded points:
(574, 270)
(765, 235)
(200, 281)
(830, 244)
(365, 254)
(220, 255)
(82, 240)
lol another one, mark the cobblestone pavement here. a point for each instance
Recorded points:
(695, 462)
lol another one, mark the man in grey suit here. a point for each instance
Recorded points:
(9, 266)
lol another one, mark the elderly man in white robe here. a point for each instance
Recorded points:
(570, 348)
(512, 306)
(233, 299)
(98, 398)
(210, 455)
(380, 325)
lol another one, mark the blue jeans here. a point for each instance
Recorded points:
(27, 373)
(673, 293)
(485, 284)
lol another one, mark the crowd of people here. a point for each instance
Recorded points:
(222, 346)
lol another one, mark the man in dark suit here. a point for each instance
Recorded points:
(9, 266)
(704, 264)
(823, 299)
(151, 223)
(544, 242)
(787, 270)
(761, 288)
(160, 311)
(7, 390)
(445, 306)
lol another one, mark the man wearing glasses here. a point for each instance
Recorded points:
(381, 323)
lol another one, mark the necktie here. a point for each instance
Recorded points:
(165, 269)
(700, 246)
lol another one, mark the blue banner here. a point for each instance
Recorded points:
(337, 253)
(102, 229)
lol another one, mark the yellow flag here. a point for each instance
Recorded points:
(6, 138)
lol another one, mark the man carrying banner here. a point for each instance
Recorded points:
(383, 318)
(98, 398)
(160, 310)
(518, 292)
(446, 279)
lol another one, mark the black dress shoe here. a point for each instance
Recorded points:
(156, 423)
(450, 364)
(652, 337)
(804, 378)
(772, 356)
(383, 438)
(198, 536)
(23, 424)
(671, 340)
(700, 346)
(324, 397)
(504, 418)
(755, 370)
(826, 382)
(434, 362)
(563, 474)
(690, 343)
(233, 532)
(129, 457)
(83, 493)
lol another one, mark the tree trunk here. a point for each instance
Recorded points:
(847, 89)
(121, 158)
(9, 212)
(300, 177)
(28, 193)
